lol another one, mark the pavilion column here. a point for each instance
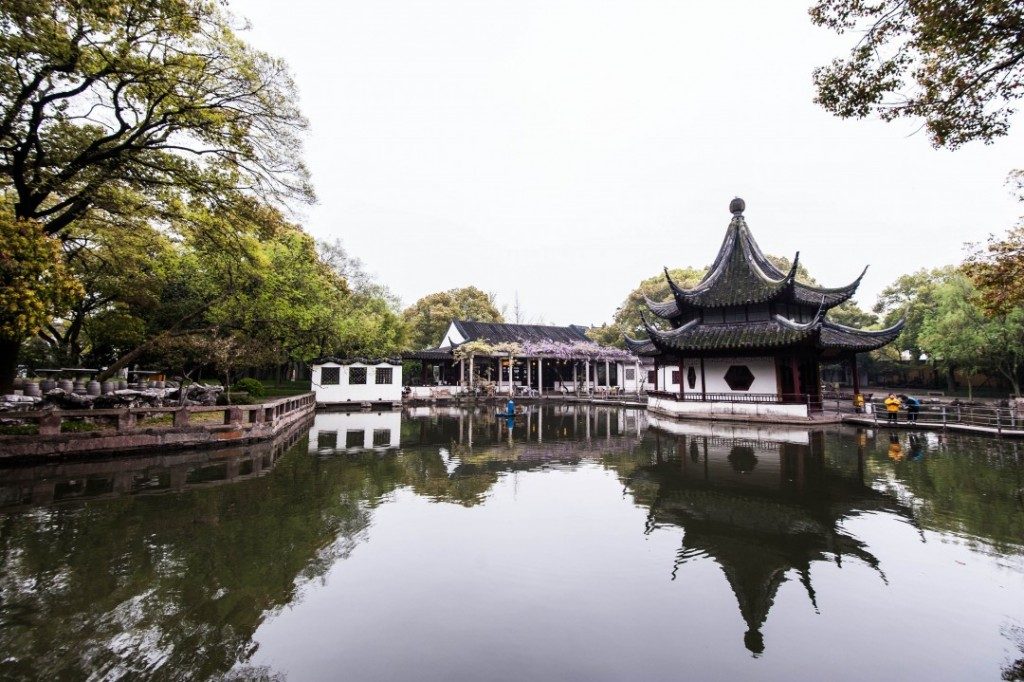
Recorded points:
(540, 376)
(856, 378)
(575, 383)
(497, 363)
(703, 383)
(462, 372)
(586, 373)
(471, 372)
(681, 389)
(529, 382)
(607, 375)
(794, 372)
(656, 371)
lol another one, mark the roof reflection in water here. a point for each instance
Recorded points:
(759, 501)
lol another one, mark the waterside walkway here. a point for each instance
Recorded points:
(59, 432)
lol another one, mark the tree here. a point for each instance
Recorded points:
(33, 281)
(959, 66)
(428, 318)
(111, 111)
(626, 321)
(911, 297)
(953, 327)
(998, 270)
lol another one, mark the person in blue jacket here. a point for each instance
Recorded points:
(913, 407)
(510, 408)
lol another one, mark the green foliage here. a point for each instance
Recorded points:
(33, 279)
(911, 297)
(253, 387)
(998, 270)
(958, 66)
(428, 318)
(626, 321)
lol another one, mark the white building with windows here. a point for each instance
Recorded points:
(357, 381)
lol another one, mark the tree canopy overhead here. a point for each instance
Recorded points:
(140, 105)
(958, 66)
(428, 318)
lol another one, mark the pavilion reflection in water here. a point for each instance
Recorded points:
(761, 502)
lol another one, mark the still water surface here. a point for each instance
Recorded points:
(584, 544)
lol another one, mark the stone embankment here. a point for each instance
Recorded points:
(60, 432)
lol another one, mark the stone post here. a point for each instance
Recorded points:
(126, 421)
(49, 425)
(181, 417)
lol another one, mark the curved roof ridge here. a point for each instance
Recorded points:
(836, 290)
(868, 332)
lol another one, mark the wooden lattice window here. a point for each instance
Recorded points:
(381, 437)
(330, 376)
(354, 439)
(327, 440)
(385, 375)
(630, 374)
(357, 375)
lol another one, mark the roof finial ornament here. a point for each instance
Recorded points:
(737, 206)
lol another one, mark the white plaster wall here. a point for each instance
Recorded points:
(763, 370)
(772, 433)
(452, 336)
(342, 423)
(346, 392)
(428, 392)
(712, 409)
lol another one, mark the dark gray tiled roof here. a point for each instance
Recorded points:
(496, 332)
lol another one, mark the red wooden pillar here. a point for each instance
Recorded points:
(794, 372)
(856, 376)
(681, 379)
(655, 375)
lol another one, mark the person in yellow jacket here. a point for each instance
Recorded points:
(892, 407)
(858, 402)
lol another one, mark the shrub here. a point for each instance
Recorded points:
(251, 386)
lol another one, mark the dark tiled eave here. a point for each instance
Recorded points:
(820, 334)
(495, 332)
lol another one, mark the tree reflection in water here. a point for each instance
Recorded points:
(166, 566)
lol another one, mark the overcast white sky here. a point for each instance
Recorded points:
(566, 149)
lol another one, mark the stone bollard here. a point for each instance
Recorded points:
(31, 388)
(232, 415)
(93, 388)
(47, 385)
(125, 420)
(66, 385)
(49, 425)
(107, 387)
(181, 417)
(79, 387)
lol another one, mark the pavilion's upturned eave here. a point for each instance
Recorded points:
(835, 336)
(747, 336)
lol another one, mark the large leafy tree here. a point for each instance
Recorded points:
(114, 110)
(428, 318)
(956, 330)
(33, 282)
(998, 269)
(958, 66)
(911, 297)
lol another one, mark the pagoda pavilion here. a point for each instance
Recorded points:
(749, 338)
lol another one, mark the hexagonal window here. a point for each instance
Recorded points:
(739, 377)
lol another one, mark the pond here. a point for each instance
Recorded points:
(584, 543)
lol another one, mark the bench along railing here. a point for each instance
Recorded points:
(987, 416)
(127, 419)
